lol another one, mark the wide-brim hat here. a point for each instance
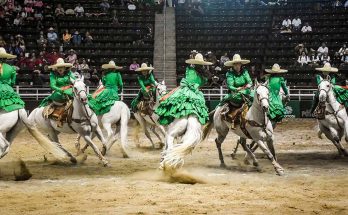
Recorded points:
(327, 68)
(51, 29)
(4, 54)
(236, 59)
(111, 65)
(144, 67)
(72, 50)
(60, 63)
(276, 69)
(198, 60)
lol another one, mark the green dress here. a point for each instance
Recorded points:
(233, 81)
(341, 94)
(186, 100)
(107, 96)
(9, 99)
(276, 107)
(147, 88)
(61, 84)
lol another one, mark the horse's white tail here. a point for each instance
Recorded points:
(52, 147)
(125, 116)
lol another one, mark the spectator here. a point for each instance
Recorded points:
(66, 37)
(324, 58)
(59, 10)
(313, 60)
(342, 50)
(72, 57)
(134, 66)
(53, 57)
(306, 28)
(38, 4)
(2, 42)
(20, 42)
(42, 42)
(337, 4)
(104, 6)
(33, 62)
(79, 11)
(70, 12)
(337, 59)
(346, 4)
(52, 36)
(43, 58)
(38, 15)
(18, 20)
(301, 48)
(88, 38)
(211, 57)
(322, 50)
(286, 23)
(224, 58)
(303, 59)
(95, 77)
(22, 61)
(37, 78)
(345, 58)
(83, 67)
(114, 19)
(76, 38)
(17, 7)
(296, 23)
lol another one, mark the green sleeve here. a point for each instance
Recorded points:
(333, 79)
(317, 78)
(53, 83)
(247, 77)
(230, 82)
(284, 87)
(13, 76)
(152, 79)
(103, 80)
(120, 82)
(141, 83)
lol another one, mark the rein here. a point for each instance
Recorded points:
(88, 117)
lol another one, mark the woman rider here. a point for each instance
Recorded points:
(9, 99)
(60, 82)
(187, 99)
(275, 82)
(104, 98)
(147, 84)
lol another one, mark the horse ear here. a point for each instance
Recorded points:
(256, 82)
(82, 78)
(163, 82)
(320, 78)
(328, 77)
(266, 83)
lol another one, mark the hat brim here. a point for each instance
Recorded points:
(332, 69)
(230, 63)
(109, 66)
(276, 71)
(55, 66)
(198, 62)
(144, 69)
(7, 56)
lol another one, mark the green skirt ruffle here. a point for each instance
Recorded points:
(341, 95)
(183, 102)
(9, 99)
(104, 101)
(57, 97)
(276, 108)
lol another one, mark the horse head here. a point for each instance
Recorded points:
(80, 89)
(262, 95)
(161, 89)
(324, 88)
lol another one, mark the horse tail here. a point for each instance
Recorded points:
(52, 147)
(125, 116)
(209, 125)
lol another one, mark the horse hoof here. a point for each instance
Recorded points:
(233, 156)
(125, 156)
(280, 171)
(223, 165)
(103, 151)
(255, 164)
(106, 163)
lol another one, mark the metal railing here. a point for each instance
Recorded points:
(128, 93)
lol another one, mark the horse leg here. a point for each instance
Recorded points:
(335, 139)
(124, 133)
(78, 146)
(174, 158)
(4, 146)
(233, 155)
(279, 170)
(98, 132)
(89, 141)
(271, 147)
(249, 153)
(222, 133)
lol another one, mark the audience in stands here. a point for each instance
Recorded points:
(296, 23)
(18, 20)
(343, 50)
(83, 67)
(59, 10)
(76, 38)
(66, 37)
(88, 38)
(306, 28)
(336, 60)
(337, 4)
(286, 23)
(300, 48)
(346, 4)
(134, 66)
(52, 37)
(303, 59)
(2, 42)
(79, 11)
(114, 19)
(72, 57)
(224, 58)
(41, 42)
(322, 50)
(324, 58)
(105, 6)
(37, 79)
(313, 59)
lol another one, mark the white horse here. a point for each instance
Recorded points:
(12, 123)
(152, 121)
(84, 121)
(258, 128)
(335, 123)
(119, 113)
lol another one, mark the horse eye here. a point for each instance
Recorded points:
(328, 85)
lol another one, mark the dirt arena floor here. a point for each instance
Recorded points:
(316, 180)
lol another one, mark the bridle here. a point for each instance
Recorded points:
(78, 94)
(259, 100)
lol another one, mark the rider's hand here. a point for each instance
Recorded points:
(240, 88)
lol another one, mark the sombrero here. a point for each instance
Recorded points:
(60, 63)
(236, 59)
(327, 68)
(144, 67)
(198, 60)
(276, 69)
(111, 65)
(4, 54)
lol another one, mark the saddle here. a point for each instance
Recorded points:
(61, 113)
(319, 112)
(235, 114)
(145, 107)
